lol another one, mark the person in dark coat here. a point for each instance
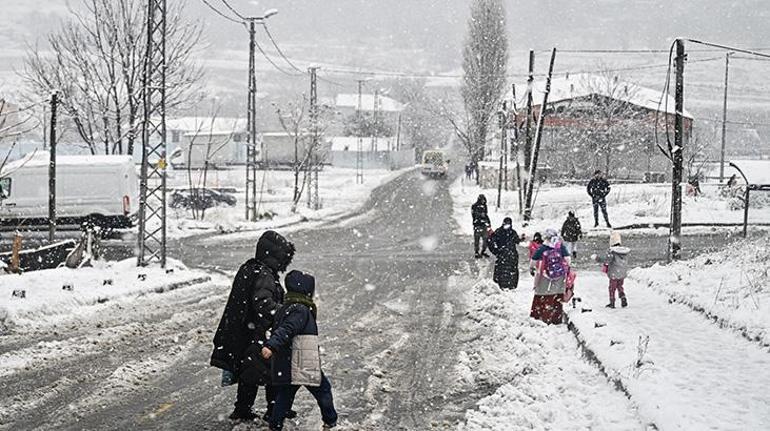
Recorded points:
(598, 188)
(481, 225)
(255, 296)
(503, 244)
(571, 233)
(293, 347)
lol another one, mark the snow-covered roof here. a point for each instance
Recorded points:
(387, 104)
(207, 125)
(756, 171)
(350, 143)
(41, 159)
(583, 85)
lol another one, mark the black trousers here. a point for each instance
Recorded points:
(601, 203)
(247, 394)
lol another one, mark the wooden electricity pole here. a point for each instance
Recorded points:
(724, 121)
(52, 170)
(675, 231)
(538, 138)
(528, 129)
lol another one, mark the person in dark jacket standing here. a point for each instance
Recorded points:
(293, 347)
(571, 233)
(254, 298)
(481, 225)
(598, 188)
(503, 245)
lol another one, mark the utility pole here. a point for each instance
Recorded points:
(528, 129)
(360, 141)
(501, 125)
(505, 145)
(152, 203)
(398, 132)
(674, 239)
(312, 195)
(724, 121)
(251, 127)
(374, 120)
(52, 170)
(518, 146)
(538, 138)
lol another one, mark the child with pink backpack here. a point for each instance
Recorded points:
(615, 265)
(550, 265)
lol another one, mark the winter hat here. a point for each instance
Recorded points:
(482, 198)
(300, 282)
(507, 223)
(571, 213)
(551, 236)
(615, 238)
(537, 238)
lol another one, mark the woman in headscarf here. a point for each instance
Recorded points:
(502, 244)
(549, 266)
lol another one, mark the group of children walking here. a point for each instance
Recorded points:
(551, 256)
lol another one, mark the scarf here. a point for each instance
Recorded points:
(300, 298)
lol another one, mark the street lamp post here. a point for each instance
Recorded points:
(251, 120)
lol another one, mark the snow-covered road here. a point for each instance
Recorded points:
(404, 325)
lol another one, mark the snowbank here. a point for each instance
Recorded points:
(539, 379)
(731, 286)
(62, 291)
(680, 369)
(627, 204)
(338, 192)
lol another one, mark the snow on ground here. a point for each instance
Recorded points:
(680, 369)
(627, 204)
(53, 293)
(731, 286)
(542, 381)
(338, 192)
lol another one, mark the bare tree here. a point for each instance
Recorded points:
(295, 122)
(485, 59)
(197, 179)
(612, 98)
(14, 122)
(96, 63)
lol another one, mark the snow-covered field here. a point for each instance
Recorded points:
(680, 369)
(53, 293)
(731, 286)
(542, 381)
(627, 204)
(338, 193)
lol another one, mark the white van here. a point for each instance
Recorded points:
(434, 163)
(103, 189)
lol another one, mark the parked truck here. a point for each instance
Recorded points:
(100, 189)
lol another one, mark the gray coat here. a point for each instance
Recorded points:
(616, 259)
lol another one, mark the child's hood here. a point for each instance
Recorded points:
(621, 250)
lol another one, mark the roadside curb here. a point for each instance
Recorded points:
(591, 357)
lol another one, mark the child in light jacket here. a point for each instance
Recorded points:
(615, 264)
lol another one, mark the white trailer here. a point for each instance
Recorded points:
(102, 189)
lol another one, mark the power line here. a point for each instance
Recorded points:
(232, 9)
(749, 51)
(220, 13)
(279, 68)
(277, 48)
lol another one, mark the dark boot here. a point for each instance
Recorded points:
(623, 302)
(610, 305)
(243, 415)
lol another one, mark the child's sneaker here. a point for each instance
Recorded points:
(623, 302)
(610, 305)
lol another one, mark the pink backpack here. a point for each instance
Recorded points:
(554, 266)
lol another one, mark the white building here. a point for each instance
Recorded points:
(221, 141)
